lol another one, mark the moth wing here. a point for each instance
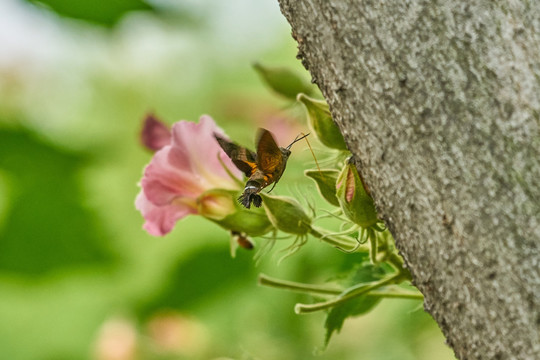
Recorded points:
(244, 159)
(269, 157)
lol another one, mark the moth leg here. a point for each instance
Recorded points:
(273, 186)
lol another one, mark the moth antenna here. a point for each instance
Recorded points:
(296, 140)
(312, 153)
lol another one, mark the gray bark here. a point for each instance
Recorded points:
(439, 101)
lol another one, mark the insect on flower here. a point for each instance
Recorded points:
(262, 168)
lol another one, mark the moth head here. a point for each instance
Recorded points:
(285, 152)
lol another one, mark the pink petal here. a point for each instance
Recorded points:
(160, 220)
(164, 181)
(350, 186)
(197, 142)
(155, 134)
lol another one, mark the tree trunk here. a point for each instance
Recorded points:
(439, 103)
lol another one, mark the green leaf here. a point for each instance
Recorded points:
(357, 269)
(321, 123)
(102, 12)
(366, 272)
(326, 183)
(362, 272)
(354, 307)
(283, 81)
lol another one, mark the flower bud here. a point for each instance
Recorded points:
(321, 123)
(355, 202)
(283, 81)
(326, 183)
(286, 214)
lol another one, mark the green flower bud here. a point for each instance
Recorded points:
(283, 81)
(321, 123)
(326, 183)
(286, 214)
(355, 202)
(221, 207)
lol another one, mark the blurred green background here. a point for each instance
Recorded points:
(79, 278)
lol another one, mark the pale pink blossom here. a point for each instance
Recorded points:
(155, 134)
(174, 333)
(179, 173)
(117, 340)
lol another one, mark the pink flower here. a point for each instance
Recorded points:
(155, 134)
(181, 172)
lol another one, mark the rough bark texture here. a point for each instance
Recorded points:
(440, 103)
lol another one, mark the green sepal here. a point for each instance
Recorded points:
(250, 222)
(321, 123)
(326, 183)
(286, 214)
(234, 217)
(283, 81)
(355, 202)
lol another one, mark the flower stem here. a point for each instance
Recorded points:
(355, 291)
(373, 246)
(399, 294)
(299, 287)
(391, 291)
(343, 243)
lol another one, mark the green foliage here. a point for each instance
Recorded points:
(363, 272)
(196, 280)
(283, 81)
(326, 183)
(45, 209)
(337, 315)
(102, 12)
(380, 265)
(321, 123)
